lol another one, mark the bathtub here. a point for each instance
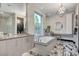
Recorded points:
(45, 40)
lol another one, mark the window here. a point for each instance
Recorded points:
(38, 24)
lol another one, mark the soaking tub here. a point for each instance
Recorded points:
(45, 40)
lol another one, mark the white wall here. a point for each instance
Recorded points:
(31, 9)
(66, 20)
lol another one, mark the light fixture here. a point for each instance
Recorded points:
(61, 9)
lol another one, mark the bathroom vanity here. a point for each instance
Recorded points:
(15, 45)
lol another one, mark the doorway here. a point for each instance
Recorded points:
(20, 25)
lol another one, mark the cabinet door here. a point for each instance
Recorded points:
(3, 48)
(11, 47)
(30, 43)
(23, 45)
(19, 46)
(27, 43)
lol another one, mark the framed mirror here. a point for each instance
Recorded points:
(59, 26)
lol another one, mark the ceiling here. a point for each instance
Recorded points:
(19, 8)
(51, 8)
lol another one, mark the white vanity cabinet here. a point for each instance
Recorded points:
(11, 47)
(24, 44)
(15, 46)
